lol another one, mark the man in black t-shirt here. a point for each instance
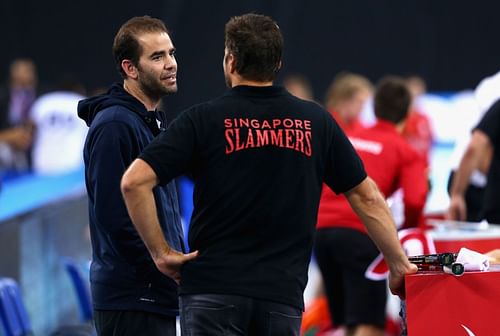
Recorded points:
(258, 156)
(485, 140)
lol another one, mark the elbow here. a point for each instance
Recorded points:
(138, 179)
(128, 185)
(365, 195)
(372, 199)
(373, 196)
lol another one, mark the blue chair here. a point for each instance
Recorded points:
(15, 319)
(80, 284)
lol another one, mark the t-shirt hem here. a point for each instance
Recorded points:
(125, 307)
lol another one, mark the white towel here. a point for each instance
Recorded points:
(472, 260)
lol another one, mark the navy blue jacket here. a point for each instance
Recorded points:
(123, 275)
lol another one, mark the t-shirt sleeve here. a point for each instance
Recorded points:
(344, 169)
(490, 123)
(171, 153)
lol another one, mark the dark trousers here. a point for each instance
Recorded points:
(133, 323)
(343, 256)
(218, 314)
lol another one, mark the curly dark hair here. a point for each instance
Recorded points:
(257, 45)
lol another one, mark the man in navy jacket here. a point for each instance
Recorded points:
(130, 295)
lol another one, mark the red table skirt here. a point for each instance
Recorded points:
(443, 304)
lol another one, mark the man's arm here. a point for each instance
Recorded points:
(369, 204)
(479, 147)
(137, 189)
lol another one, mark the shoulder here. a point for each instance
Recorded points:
(489, 123)
(118, 122)
(493, 111)
(315, 108)
(496, 105)
(116, 114)
(199, 112)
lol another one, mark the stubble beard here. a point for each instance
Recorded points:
(153, 87)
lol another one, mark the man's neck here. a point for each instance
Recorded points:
(400, 126)
(237, 81)
(139, 94)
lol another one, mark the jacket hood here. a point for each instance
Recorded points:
(116, 95)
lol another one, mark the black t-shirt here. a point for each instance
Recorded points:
(258, 157)
(490, 125)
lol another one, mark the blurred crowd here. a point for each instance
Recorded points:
(355, 103)
(39, 130)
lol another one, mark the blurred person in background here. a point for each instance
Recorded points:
(12, 140)
(256, 198)
(486, 94)
(483, 146)
(19, 94)
(345, 99)
(130, 295)
(343, 248)
(16, 98)
(60, 134)
(299, 86)
(418, 129)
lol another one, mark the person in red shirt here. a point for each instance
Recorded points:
(418, 129)
(343, 247)
(345, 99)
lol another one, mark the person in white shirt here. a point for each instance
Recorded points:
(60, 134)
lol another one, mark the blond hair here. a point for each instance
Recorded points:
(345, 86)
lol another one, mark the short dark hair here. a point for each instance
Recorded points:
(392, 99)
(126, 44)
(257, 45)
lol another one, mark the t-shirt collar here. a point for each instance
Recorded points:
(257, 90)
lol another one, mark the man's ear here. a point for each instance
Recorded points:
(231, 63)
(278, 68)
(129, 68)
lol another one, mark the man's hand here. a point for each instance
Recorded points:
(494, 256)
(397, 278)
(170, 262)
(137, 189)
(457, 209)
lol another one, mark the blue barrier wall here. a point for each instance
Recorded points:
(43, 219)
